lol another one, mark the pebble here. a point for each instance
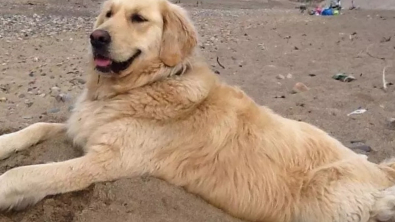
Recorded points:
(55, 91)
(289, 76)
(27, 117)
(53, 110)
(391, 123)
(362, 147)
(300, 87)
(279, 76)
(3, 99)
(28, 103)
(63, 97)
(81, 81)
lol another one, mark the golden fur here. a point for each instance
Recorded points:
(169, 116)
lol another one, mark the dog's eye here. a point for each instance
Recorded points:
(138, 18)
(108, 14)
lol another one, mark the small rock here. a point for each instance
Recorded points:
(28, 103)
(21, 96)
(391, 123)
(3, 99)
(42, 95)
(289, 76)
(299, 87)
(53, 110)
(5, 87)
(81, 81)
(27, 117)
(31, 74)
(312, 74)
(32, 82)
(63, 97)
(279, 76)
(55, 91)
(362, 147)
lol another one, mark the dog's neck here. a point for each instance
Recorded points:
(101, 87)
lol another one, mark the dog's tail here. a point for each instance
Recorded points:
(384, 207)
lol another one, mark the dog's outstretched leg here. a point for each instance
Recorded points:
(24, 186)
(27, 137)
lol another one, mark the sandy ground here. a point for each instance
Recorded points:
(266, 47)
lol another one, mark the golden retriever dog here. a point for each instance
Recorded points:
(152, 106)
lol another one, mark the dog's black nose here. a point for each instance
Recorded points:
(100, 38)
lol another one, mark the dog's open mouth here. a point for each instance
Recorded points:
(105, 64)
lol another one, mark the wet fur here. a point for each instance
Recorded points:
(168, 115)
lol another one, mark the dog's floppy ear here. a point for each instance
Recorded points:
(179, 37)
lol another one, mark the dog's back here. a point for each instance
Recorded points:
(259, 166)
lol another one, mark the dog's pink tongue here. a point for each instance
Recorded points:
(102, 62)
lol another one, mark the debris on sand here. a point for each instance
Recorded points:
(391, 123)
(357, 112)
(385, 39)
(280, 76)
(360, 145)
(63, 97)
(220, 63)
(384, 81)
(55, 91)
(344, 77)
(299, 87)
(53, 110)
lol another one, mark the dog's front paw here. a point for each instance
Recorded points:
(14, 196)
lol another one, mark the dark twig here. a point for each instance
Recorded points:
(220, 63)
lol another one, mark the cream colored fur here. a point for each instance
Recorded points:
(169, 116)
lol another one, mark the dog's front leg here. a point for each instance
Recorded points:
(24, 186)
(25, 138)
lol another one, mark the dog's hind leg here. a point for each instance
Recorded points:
(27, 137)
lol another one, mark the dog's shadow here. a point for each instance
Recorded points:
(133, 200)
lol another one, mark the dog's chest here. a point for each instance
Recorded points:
(87, 117)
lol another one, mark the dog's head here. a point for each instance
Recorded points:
(131, 32)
